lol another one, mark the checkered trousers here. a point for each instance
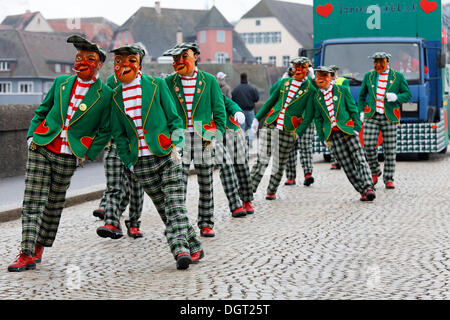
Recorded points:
(200, 152)
(122, 189)
(236, 146)
(388, 129)
(348, 151)
(304, 145)
(162, 180)
(47, 179)
(276, 142)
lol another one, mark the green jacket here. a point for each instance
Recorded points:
(345, 111)
(208, 109)
(88, 131)
(112, 81)
(300, 111)
(162, 126)
(396, 84)
(231, 108)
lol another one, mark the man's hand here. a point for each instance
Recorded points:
(239, 117)
(391, 97)
(29, 141)
(255, 125)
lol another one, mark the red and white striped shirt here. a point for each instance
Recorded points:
(132, 100)
(189, 84)
(295, 86)
(79, 90)
(328, 97)
(381, 90)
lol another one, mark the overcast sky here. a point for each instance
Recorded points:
(119, 12)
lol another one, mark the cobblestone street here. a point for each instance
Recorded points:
(317, 242)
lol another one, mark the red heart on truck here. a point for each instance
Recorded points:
(428, 6)
(325, 10)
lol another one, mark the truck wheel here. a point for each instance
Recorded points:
(327, 157)
(423, 156)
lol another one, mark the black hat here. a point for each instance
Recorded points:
(131, 48)
(179, 48)
(323, 69)
(82, 44)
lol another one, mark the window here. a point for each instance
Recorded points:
(250, 38)
(273, 60)
(221, 57)
(202, 36)
(5, 66)
(258, 60)
(266, 37)
(220, 36)
(258, 38)
(276, 37)
(5, 87)
(261, 37)
(68, 68)
(25, 87)
(125, 36)
(286, 61)
(258, 22)
(57, 67)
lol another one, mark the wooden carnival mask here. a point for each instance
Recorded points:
(300, 71)
(184, 63)
(380, 64)
(127, 66)
(87, 64)
(323, 79)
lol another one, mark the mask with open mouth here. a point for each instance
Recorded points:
(87, 64)
(126, 67)
(300, 71)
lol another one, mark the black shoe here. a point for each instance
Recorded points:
(109, 231)
(99, 213)
(309, 180)
(183, 261)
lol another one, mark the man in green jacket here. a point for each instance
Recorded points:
(147, 130)
(71, 125)
(338, 124)
(199, 103)
(287, 113)
(385, 89)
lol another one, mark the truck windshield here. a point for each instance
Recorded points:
(353, 62)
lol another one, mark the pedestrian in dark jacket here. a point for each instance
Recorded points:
(246, 95)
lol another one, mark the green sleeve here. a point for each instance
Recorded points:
(174, 121)
(318, 120)
(218, 107)
(41, 112)
(231, 107)
(262, 113)
(308, 115)
(120, 136)
(104, 131)
(363, 94)
(352, 109)
(404, 94)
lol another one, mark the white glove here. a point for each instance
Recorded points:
(311, 73)
(131, 168)
(239, 117)
(361, 117)
(255, 125)
(29, 141)
(391, 97)
(356, 133)
(179, 152)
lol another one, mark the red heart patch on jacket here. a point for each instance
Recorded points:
(296, 121)
(350, 123)
(210, 127)
(42, 128)
(325, 10)
(397, 113)
(270, 112)
(86, 141)
(428, 6)
(367, 109)
(164, 141)
(234, 122)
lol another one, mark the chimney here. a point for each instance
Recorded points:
(158, 7)
(179, 36)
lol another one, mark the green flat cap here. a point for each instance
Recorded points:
(131, 48)
(334, 67)
(324, 69)
(378, 55)
(179, 48)
(300, 60)
(82, 44)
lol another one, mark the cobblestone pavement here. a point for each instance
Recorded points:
(317, 242)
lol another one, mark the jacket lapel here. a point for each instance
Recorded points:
(89, 100)
(64, 93)
(391, 79)
(179, 93)
(373, 79)
(301, 91)
(336, 93)
(199, 88)
(148, 87)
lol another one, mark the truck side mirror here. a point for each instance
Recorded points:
(441, 60)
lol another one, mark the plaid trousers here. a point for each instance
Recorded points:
(122, 189)
(348, 151)
(388, 129)
(304, 145)
(200, 152)
(280, 143)
(162, 180)
(47, 179)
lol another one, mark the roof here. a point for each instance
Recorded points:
(19, 21)
(33, 52)
(213, 20)
(240, 51)
(158, 32)
(296, 18)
